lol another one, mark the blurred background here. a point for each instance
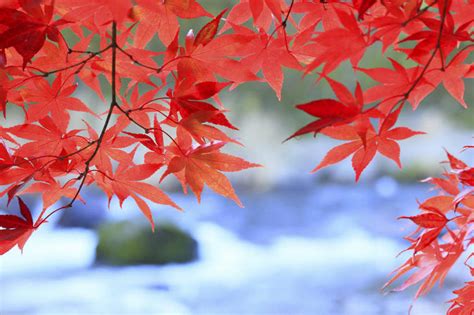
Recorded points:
(303, 244)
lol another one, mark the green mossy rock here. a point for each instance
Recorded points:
(128, 243)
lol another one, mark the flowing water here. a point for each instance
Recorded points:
(312, 250)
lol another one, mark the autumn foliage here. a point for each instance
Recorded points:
(164, 108)
(444, 232)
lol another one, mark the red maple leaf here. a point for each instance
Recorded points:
(127, 181)
(16, 230)
(203, 165)
(26, 31)
(463, 303)
(188, 99)
(206, 56)
(395, 84)
(163, 18)
(332, 112)
(365, 143)
(338, 44)
(55, 99)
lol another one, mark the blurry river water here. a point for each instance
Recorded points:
(324, 249)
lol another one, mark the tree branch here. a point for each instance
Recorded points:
(83, 176)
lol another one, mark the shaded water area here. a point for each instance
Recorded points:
(313, 249)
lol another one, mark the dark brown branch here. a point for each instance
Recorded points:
(406, 95)
(283, 25)
(430, 60)
(83, 176)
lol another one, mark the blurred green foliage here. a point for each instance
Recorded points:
(131, 243)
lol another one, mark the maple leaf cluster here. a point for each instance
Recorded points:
(164, 107)
(163, 112)
(444, 232)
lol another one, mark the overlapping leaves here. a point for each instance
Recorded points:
(164, 105)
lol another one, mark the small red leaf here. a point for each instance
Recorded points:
(25, 211)
(455, 163)
(208, 32)
(15, 230)
(428, 220)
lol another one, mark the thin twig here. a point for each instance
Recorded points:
(79, 63)
(147, 130)
(135, 61)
